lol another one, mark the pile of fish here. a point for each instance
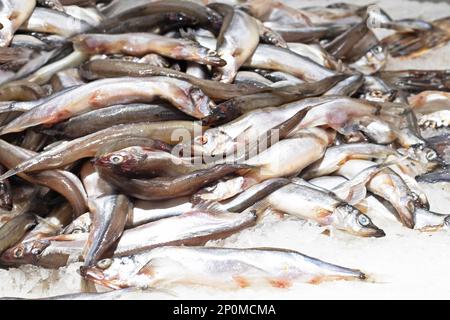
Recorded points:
(134, 132)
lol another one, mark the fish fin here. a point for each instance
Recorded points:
(209, 206)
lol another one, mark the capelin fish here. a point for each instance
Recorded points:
(205, 17)
(120, 136)
(250, 196)
(55, 22)
(218, 267)
(416, 43)
(51, 225)
(280, 59)
(435, 120)
(346, 87)
(194, 227)
(97, 69)
(64, 182)
(373, 61)
(162, 188)
(109, 213)
(233, 108)
(323, 207)
(342, 46)
(435, 177)
(97, 120)
(285, 158)
(157, 23)
(430, 221)
(375, 89)
(389, 186)
(14, 230)
(22, 91)
(108, 92)
(6, 200)
(36, 61)
(430, 101)
(336, 156)
(139, 44)
(250, 126)
(308, 34)
(316, 53)
(149, 211)
(417, 80)
(142, 162)
(13, 13)
(44, 74)
(237, 42)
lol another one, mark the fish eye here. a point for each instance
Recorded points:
(431, 155)
(363, 220)
(18, 253)
(116, 159)
(212, 53)
(104, 264)
(202, 139)
(36, 251)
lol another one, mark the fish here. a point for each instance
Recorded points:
(237, 42)
(119, 136)
(415, 81)
(13, 231)
(418, 42)
(101, 119)
(347, 87)
(248, 197)
(13, 14)
(107, 68)
(139, 44)
(430, 221)
(107, 92)
(434, 177)
(336, 156)
(56, 22)
(6, 199)
(149, 211)
(64, 182)
(192, 228)
(430, 101)
(281, 59)
(142, 162)
(231, 268)
(238, 106)
(440, 144)
(295, 32)
(118, 11)
(389, 186)
(109, 213)
(325, 208)
(162, 188)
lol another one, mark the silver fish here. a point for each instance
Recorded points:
(217, 267)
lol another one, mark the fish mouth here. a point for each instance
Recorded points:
(215, 61)
(96, 275)
(378, 233)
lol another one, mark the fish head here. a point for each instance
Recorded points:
(123, 160)
(24, 253)
(425, 156)
(201, 103)
(213, 142)
(350, 219)
(447, 222)
(99, 274)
